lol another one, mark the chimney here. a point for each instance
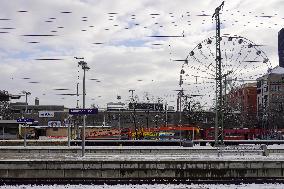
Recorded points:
(36, 101)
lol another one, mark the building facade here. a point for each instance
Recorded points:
(270, 99)
(242, 102)
(281, 47)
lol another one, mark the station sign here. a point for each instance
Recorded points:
(54, 124)
(25, 120)
(83, 111)
(45, 114)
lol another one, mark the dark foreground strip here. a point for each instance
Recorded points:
(236, 181)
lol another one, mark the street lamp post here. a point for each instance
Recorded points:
(68, 122)
(85, 68)
(26, 111)
(166, 112)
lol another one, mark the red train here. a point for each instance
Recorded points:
(172, 132)
(234, 134)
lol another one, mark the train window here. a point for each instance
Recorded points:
(10, 130)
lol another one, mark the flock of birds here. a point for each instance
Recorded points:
(157, 26)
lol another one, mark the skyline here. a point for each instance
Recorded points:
(116, 45)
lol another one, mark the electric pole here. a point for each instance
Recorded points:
(134, 112)
(179, 109)
(219, 94)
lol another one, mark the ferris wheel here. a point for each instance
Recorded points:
(243, 61)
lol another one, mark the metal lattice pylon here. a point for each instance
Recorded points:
(219, 90)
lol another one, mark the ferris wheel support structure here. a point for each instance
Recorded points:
(219, 90)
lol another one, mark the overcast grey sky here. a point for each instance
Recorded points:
(127, 58)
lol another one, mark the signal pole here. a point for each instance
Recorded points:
(219, 95)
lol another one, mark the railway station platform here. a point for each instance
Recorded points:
(137, 163)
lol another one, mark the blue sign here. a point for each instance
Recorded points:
(83, 111)
(25, 120)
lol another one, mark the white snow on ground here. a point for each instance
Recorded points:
(180, 154)
(274, 146)
(146, 186)
(138, 157)
(107, 147)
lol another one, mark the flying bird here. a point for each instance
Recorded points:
(165, 36)
(7, 28)
(203, 15)
(67, 94)
(251, 61)
(49, 59)
(33, 82)
(61, 89)
(266, 16)
(38, 35)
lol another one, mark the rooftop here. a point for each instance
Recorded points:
(277, 70)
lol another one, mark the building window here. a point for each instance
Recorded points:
(272, 88)
(265, 88)
(258, 84)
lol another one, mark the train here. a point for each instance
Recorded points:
(163, 132)
(177, 132)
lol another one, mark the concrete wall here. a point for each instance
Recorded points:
(84, 169)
